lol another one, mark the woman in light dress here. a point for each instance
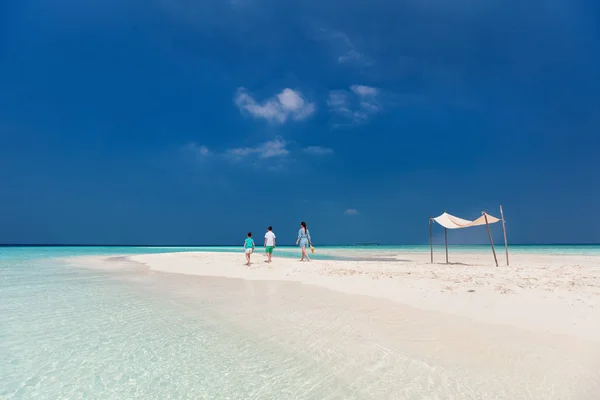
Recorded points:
(304, 240)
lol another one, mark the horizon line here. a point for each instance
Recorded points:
(290, 245)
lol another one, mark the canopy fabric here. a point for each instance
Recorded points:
(451, 222)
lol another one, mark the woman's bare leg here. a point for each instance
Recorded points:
(304, 254)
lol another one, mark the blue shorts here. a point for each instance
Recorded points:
(304, 242)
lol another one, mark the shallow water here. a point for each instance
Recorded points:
(124, 332)
(69, 333)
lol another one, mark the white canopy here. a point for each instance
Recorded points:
(451, 222)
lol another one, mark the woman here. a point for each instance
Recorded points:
(304, 240)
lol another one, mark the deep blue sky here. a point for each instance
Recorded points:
(169, 122)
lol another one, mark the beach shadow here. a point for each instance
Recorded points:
(455, 263)
(118, 258)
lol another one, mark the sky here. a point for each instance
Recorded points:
(188, 122)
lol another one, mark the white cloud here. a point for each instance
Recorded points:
(269, 149)
(352, 56)
(339, 102)
(345, 50)
(356, 105)
(277, 109)
(364, 91)
(290, 100)
(197, 150)
(318, 150)
(277, 152)
(351, 211)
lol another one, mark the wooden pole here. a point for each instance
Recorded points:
(431, 238)
(504, 230)
(490, 235)
(446, 236)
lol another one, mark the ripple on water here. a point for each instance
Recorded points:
(69, 333)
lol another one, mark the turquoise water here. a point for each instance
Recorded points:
(323, 252)
(69, 333)
(593, 249)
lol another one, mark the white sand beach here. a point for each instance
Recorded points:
(526, 331)
(557, 294)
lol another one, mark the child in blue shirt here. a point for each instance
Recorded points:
(248, 247)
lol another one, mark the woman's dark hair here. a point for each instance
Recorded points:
(270, 228)
(303, 224)
(249, 234)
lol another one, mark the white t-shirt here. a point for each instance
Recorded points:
(270, 236)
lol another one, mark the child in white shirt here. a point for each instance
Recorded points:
(269, 243)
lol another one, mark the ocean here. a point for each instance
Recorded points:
(74, 333)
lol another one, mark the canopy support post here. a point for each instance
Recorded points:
(504, 230)
(431, 238)
(446, 237)
(490, 235)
